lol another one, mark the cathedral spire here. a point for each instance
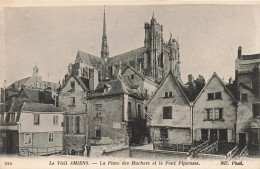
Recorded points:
(104, 46)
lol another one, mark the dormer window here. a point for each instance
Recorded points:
(107, 88)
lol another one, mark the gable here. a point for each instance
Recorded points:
(214, 85)
(67, 86)
(170, 84)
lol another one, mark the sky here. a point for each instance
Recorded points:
(50, 37)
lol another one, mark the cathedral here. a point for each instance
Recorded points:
(154, 60)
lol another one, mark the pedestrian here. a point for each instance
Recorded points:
(88, 147)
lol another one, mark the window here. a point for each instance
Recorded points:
(98, 131)
(98, 107)
(166, 94)
(210, 96)
(78, 124)
(55, 120)
(51, 137)
(218, 113)
(204, 134)
(36, 119)
(214, 114)
(218, 95)
(170, 94)
(2, 117)
(129, 109)
(98, 110)
(72, 85)
(72, 101)
(85, 72)
(167, 112)
(139, 111)
(132, 76)
(244, 97)
(27, 138)
(214, 96)
(209, 114)
(7, 119)
(256, 110)
(164, 133)
(12, 115)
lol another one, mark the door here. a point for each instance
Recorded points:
(9, 142)
(213, 135)
(242, 139)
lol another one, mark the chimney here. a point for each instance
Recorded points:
(120, 68)
(239, 52)
(70, 69)
(191, 79)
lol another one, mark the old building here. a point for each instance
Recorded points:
(33, 82)
(248, 96)
(30, 128)
(116, 113)
(215, 112)
(136, 80)
(169, 114)
(71, 101)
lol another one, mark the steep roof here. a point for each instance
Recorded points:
(38, 107)
(12, 105)
(179, 85)
(221, 82)
(83, 82)
(32, 94)
(88, 59)
(116, 87)
(140, 75)
(130, 55)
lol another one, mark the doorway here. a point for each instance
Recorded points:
(242, 139)
(213, 135)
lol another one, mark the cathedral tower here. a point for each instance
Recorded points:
(104, 46)
(153, 60)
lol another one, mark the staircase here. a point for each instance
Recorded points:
(193, 152)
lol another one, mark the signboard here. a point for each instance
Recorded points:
(116, 125)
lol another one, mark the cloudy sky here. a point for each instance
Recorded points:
(50, 37)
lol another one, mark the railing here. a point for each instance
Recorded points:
(172, 147)
(211, 149)
(232, 152)
(198, 148)
(36, 151)
(244, 152)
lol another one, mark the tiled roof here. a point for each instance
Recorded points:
(141, 75)
(116, 87)
(89, 59)
(125, 57)
(38, 107)
(32, 94)
(83, 82)
(12, 105)
(250, 57)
